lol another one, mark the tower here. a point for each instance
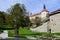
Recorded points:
(44, 13)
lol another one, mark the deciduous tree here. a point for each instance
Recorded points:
(20, 16)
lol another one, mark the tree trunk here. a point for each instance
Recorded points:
(16, 30)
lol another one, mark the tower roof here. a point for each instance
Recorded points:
(44, 9)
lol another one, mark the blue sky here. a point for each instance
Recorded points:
(33, 6)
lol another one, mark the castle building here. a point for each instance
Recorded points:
(54, 23)
(43, 14)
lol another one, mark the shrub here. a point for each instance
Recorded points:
(1, 31)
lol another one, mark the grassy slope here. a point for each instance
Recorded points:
(26, 31)
(23, 31)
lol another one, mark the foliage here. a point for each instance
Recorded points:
(9, 19)
(2, 19)
(36, 21)
(6, 26)
(1, 31)
(18, 16)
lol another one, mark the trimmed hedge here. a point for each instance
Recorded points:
(6, 27)
(1, 31)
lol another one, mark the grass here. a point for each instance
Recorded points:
(26, 32)
(11, 33)
(23, 31)
(56, 33)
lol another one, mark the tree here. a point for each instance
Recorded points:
(36, 21)
(19, 16)
(2, 18)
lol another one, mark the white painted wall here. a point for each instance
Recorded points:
(43, 15)
(55, 22)
(42, 28)
(33, 17)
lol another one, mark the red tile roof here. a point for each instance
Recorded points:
(34, 14)
(44, 10)
(55, 12)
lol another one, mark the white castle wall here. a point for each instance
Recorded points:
(42, 28)
(54, 24)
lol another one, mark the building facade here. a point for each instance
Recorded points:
(54, 23)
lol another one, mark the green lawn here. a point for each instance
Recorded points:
(23, 31)
(56, 33)
(26, 31)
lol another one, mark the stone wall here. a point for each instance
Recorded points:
(55, 22)
(42, 28)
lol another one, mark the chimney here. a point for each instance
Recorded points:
(30, 14)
